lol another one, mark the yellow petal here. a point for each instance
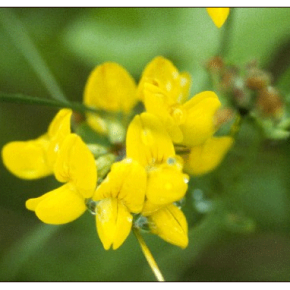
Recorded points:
(147, 141)
(60, 125)
(185, 82)
(113, 221)
(166, 184)
(110, 87)
(206, 157)
(126, 182)
(59, 206)
(170, 224)
(27, 159)
(218, 15)
(76, 164)
(198, 125)
(166, 76)
(58, 129)
(150, 208)
(157, 103)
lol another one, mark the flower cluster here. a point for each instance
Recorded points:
(165, 145)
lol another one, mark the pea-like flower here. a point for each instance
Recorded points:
(111, 88)
(119, 195)
(165, 75)
(35, 158)
(218, 15)
(74, 166)
(188, 123)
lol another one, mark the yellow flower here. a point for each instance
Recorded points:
(161, 72)
(119, 195)
(149, 144)
(75, 165)
(198, 124)
(206, 157)
(191, 123)
(188, 123)
(35, 158)
(170, 224)
(111, 88)
(218, 15)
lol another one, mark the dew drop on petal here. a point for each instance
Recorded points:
(185, 178)
(168, 86)
(171, 161)
(175, 75)
(91, 206)
(142, 223)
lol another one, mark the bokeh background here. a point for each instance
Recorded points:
(238, 215)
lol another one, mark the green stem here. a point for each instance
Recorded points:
(153, 265)
(227, 30)
(16, 30)
(28, 100)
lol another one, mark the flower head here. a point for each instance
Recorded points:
(35, 158)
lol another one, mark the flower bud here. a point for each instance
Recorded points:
(269, 102)
(257, 79)
(215, 64)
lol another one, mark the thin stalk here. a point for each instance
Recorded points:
(227, 30)
(28, 100)
(153, 265)
(18, 34)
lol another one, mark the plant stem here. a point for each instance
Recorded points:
(28, 100)
(22, 40)
(153, 265)
(227, 30)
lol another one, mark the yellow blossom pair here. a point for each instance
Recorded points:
(150, 145)
(189, 123)
(63, 154)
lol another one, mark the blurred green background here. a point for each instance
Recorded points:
(238, 215)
